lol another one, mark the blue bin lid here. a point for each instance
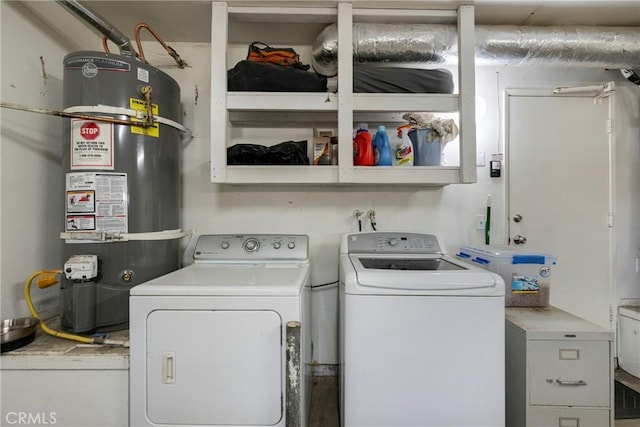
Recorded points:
(504, 254)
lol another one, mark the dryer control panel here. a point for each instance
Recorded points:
(251, 247)
(392, 242)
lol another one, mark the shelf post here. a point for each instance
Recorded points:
(467, 93)
(345, 92)
(219, 121)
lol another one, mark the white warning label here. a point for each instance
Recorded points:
(81, 222)
(97, 202)
(91, 145)
(81, 201)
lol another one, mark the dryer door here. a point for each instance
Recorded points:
(214, 367)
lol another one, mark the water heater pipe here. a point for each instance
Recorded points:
(99, 23)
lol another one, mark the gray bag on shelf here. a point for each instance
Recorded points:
(373, 79)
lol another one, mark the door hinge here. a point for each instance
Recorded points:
(609, 126)
(610, 219)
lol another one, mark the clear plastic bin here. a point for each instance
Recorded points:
(527, 275)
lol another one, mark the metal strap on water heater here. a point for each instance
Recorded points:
(125, 237)
(108, 109)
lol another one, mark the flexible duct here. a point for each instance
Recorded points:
(105, 28)
(580, 46)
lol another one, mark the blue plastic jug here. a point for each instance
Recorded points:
(382, 149)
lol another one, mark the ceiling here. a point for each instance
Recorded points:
(189, 20)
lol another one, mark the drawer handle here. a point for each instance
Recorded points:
(569, 422)
(571, 383)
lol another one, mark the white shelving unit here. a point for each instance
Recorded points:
(233, 113)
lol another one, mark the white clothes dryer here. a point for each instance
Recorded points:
(210, 342)
(421, 335)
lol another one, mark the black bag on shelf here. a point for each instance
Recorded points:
(261, 77)
(285, 153)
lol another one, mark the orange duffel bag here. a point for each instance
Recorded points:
(286, 56)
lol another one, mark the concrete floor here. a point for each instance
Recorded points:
(628, 423)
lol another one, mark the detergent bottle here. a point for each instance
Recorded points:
(362, 147)
(395, 144)
(404, 152)
(381, 147)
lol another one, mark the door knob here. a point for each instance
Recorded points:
(517, 218)
(519, 240)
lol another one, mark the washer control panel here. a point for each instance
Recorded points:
(391, 242)
(247, 247)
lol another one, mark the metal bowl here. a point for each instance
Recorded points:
(17, 332)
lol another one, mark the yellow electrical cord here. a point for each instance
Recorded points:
(46, 282)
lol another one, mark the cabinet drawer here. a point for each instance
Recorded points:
(568, 417)
(571, 373)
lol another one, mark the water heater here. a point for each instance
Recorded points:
(122, 185)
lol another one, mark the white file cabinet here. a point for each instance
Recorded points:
(559, 370)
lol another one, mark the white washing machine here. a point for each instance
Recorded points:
(421, 335)
(210, 342)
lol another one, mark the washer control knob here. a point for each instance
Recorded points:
(225, 245)
(291, 245)
(251, 245)
(277, 245)
(393, 242)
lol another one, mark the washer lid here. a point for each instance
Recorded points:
(426, 274)
(264, 279)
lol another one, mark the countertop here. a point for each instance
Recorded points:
(49, 352)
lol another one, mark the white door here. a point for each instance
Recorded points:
(559, 193)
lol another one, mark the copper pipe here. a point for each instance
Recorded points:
(169, 49)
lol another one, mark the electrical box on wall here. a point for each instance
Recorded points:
(495, 168)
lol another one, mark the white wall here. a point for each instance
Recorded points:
(32, 190)
(30, 152)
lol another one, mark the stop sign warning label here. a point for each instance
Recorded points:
(91, 145)
(90, 130)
